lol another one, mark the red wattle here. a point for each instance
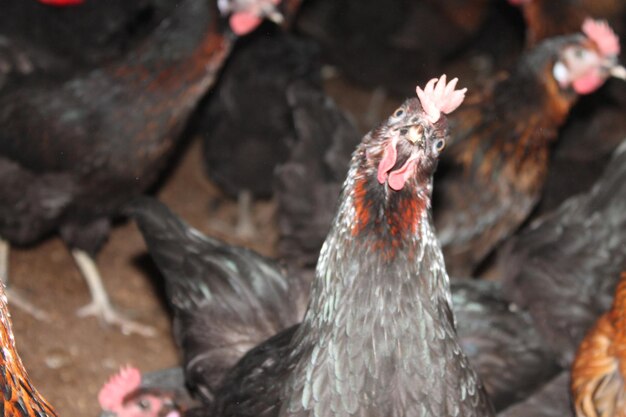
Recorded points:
(243, 23)
(388, 161)
(588, 83)
(399, 177)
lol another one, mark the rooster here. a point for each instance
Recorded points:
(599, 370)
(498, 162)
(378, 336)
(18, 396)
(72, 154)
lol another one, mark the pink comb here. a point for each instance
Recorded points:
(119, 386)
(601, 33)
(437, 97)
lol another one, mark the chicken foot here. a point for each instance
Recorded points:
(15, 298)
(100, 305)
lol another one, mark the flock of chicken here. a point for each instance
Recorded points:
(523, 181)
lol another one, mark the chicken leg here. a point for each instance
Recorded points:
(15, 298)
(245, 228)
(100, 305)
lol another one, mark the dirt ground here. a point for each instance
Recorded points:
(69, 358)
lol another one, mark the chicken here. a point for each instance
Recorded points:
(247, 127)
(548, 18)
(308, 183)
(217, 315)
(72, 154)
(365, 39)
(18, 396)
(498, 161)
(129, 393)
(560, 267)
(599, 369)
(552, 400)
(378, 336)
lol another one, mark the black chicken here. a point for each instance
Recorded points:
(378, 336)
(561, 267)
(247, 126)
(308, 183)
(72, 154)
(218, 316)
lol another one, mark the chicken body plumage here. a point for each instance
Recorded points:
(498, 162)
(247, 127)
(225, 299)
(560, 267)
(599, 369)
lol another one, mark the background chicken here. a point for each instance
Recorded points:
(129, 393)
(560, 267)
(498, 162)
(225, 299)
(247, 126)
(599, 370)
(308, 183)
(102, 138)
(579, 158)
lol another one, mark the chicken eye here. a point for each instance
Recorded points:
(440, 145)
(399, 112)
(144, 404)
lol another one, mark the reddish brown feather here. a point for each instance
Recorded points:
(20, 398)
(599, 370)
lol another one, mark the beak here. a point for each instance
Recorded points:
(272, 13)
(416, 134)
(618, 71)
